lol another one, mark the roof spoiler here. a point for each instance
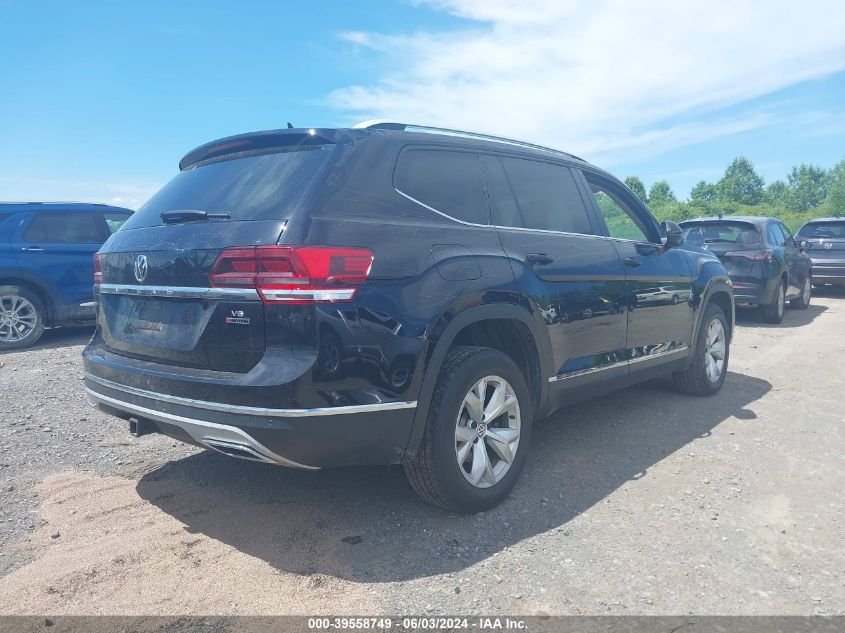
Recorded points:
(296, 137)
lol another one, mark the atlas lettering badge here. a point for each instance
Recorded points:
(236, 317)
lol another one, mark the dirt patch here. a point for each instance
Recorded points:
(106, 550)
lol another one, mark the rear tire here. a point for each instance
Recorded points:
(803, 300)
(457, 448)
(22, 317)
(708, 366)
(773, 312)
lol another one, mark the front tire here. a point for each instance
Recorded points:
(21, 317)
(773, 312)
(708, 366)
(803, 301)
(478, 432)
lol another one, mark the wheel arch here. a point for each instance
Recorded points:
(718, 290)
(521, 340)
(39, 289)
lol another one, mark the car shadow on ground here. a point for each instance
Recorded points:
(751, 317)
(365, 524)
(58, 337)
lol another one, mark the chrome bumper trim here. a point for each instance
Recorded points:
(245, 410)
(208, 434)
(631, 361)
(179, 292)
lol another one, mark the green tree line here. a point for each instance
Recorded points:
(807, 192)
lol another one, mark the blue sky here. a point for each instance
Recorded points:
(99, 100)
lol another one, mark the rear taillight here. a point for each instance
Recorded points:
(294, 274)
(98, 269)
(754, 256)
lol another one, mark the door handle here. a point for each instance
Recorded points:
(33, 249)
(538, 258)
(631, 262)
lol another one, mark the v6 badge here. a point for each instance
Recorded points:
(236, 317)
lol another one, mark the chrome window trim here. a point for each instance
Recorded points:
(445, 215)
(630, 361)
(629, 241)
(524, 229)
(495, 226)
(179, 292)
(246, 410)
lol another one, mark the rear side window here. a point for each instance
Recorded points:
(447, 181)
(253, 187)
(716, 232)
(115, 220)
(64, 228)
(776, 236)
(828, 229)
(535, 195)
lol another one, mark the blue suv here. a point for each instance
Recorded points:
(47, 265)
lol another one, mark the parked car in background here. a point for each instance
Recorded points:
(393, 294)
(46, 265)
(825, 244)
(766, 265)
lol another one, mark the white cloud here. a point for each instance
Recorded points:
(123, 194)
(599, 78)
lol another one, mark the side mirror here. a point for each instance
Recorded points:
(672, 233)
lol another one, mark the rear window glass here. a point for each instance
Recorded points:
(535, 195)
(727, 232)
(447, 181)
(64, 228)
(254, 187)
(832, 230)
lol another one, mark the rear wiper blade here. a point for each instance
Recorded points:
(190, 215)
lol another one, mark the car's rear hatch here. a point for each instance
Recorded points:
(826, 239)
(736, 243)
(158, 299)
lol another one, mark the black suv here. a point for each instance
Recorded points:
(391, 294)
(767, 266)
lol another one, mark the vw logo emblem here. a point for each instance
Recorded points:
(141, 268)
(828, 245)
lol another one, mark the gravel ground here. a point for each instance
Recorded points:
(643, 502)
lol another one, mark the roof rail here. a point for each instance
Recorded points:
(384, 124)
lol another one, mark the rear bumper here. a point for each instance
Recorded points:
(754, 292)
(827, 271)
(374, 433)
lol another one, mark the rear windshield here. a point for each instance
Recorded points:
(829, 229)
(715, 232)
(254, 187)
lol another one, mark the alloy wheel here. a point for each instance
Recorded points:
(806, 291)
(18, 318)
(487, 431)
(714, 350)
